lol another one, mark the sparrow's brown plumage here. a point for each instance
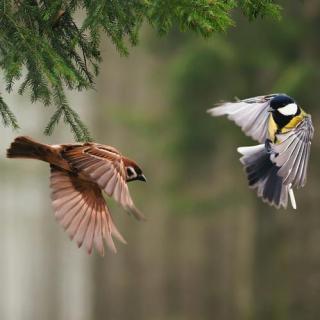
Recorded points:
(79, 174)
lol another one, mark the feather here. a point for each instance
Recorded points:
(82, 212)
(293, 152)
(250, 114)
(108, 172)
(292, 198)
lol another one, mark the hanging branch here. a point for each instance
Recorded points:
(8, 117)
(42, 37)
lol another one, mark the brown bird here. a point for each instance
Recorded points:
(79, 174)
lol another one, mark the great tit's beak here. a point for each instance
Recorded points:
(269, 109)
(142, 178)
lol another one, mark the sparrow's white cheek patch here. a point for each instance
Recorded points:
(289, 109)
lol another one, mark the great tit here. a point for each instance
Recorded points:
(285, 131)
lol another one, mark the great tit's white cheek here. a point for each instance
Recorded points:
(289, 110)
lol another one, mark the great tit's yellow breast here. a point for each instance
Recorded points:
(293, 122)
(272, 128)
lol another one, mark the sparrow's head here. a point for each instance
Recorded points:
(133, 171)
(284, 105)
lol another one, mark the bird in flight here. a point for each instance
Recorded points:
(284, 130)
(79, 175)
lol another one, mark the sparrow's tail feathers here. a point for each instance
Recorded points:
(25, 147)
(262, 176)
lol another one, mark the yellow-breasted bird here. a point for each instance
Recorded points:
(285, 131)
(79, 174)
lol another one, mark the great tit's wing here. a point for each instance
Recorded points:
(250, 114)
(104, 165)
(292, 153)
(81, 210)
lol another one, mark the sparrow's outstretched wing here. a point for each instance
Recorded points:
(81, 210)
(292, 153)
(104, 165)
(250, 114)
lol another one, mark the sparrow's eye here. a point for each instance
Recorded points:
(130, 172)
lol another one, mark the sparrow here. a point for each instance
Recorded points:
(80, 173)
(284, 130)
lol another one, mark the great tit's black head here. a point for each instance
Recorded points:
(133, 171)
(284, 105)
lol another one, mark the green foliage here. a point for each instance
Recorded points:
(8, 117)
(203, 17)
(260, 8)
(41, 42)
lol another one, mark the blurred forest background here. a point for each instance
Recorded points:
(210, 249)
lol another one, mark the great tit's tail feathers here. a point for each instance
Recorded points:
(262, 176)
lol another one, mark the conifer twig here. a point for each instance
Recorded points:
(43, 38)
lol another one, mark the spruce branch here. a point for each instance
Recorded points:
(260, 8)
(41, 41)
(70, 117)
(8, 118)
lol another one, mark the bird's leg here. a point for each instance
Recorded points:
(269, 148)
(268, 145)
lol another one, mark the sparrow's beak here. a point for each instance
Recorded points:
(142, 178)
